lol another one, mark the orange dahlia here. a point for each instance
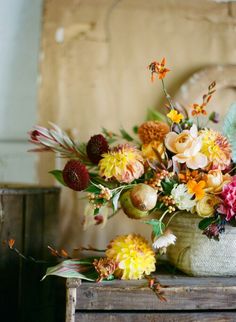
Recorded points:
(153, 131)
(217, 149)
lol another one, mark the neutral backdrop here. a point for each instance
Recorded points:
(93, 72)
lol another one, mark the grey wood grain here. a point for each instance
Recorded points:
(27, 214)
(11, 222)
(152, 317)
(183, 293)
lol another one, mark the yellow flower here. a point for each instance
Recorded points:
(206, 206)
(124, 163)
(217, 149)
(175, 116)
(196, 188)
(148, 150)
(134, 256)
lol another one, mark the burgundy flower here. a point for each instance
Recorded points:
(228, 197)
(76, 175)
(97, 145)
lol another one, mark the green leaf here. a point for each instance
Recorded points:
(135, 129)
(153, 115)
(115, 201)
(167, 186)
(93, 189)
(58, 176)
(229, 128)
(70, 269)
(204, 223)
(125, 135)
(157, 226)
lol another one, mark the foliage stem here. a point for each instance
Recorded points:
(167, 95)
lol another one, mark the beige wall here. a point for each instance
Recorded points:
(93, 72)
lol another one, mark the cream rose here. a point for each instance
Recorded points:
(206, 206)
(186, 147)
(215, 180)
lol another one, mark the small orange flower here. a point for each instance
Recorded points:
(159, 69)
(188, 175)
(11, 243)
(196, 188)
(199, 109)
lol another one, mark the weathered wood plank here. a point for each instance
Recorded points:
(160, 317)
(50, 221)
(183, 293)
(25, 212)
(71, 299)
(11, 222)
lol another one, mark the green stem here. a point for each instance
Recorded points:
(163, 215)
(172, 218)
(168, 97)
(160, 220)
(198, 125)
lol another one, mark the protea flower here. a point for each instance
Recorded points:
(124, 163)
(97, 145)
(134, 256)
(217, 149)
(54, 140)
(75, 175)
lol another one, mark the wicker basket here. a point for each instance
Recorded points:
(195, 254)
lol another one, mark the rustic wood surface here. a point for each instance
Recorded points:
(10, 265)
(151, 317)
(71, 291)
(29, 214)
(183, 293)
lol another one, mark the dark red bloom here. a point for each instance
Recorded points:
(214, 230)
(76, 175)
(97, 145)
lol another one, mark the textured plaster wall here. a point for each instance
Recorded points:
(20, 24)
(94, 73)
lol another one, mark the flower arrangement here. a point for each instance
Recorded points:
(173, 162)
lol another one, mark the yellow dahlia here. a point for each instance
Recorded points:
(124, 163)
(134, 256)
(217, 149)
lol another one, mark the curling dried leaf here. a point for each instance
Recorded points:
(72, 269)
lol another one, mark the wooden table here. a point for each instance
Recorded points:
(188, 299)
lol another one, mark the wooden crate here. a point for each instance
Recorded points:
(29, 215)
(188, 299)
